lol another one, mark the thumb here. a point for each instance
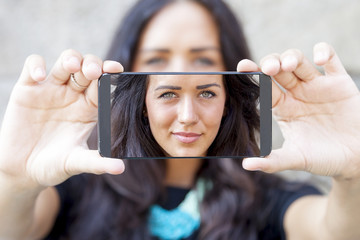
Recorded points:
(89, 161)
(278, 160)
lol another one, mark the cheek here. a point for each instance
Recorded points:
(160, 118)
(214, 114)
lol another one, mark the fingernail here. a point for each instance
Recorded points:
(73, 61)
(271, 66)
(290, 60)
(320, 57)
(38, 73)
(289, 63)
(93, 67)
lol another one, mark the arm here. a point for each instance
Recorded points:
(43, 140)
(335, 216)
(27, 214)
(321, 128)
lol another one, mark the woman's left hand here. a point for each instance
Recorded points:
(318, 114)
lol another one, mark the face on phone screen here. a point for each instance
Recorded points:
(204, 115)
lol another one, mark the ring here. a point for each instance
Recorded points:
(73, 79)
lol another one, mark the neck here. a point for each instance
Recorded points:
(180, 172)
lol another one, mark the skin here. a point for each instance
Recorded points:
(196, 49)
(183, 112)
(162, 48)
(58, 117)
(318, 107)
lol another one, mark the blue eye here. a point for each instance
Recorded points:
(207, 94)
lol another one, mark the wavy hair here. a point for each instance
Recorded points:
(117, 207)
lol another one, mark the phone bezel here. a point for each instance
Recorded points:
(104, 109)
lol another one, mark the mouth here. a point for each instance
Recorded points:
(187, 137)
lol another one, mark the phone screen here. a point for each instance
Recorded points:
(184, 115)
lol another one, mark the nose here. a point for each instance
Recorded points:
(187, 113)
(178, 64)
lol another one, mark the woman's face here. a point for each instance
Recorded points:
(185, 112)
(182, 37)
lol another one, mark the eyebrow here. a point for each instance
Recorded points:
(202, 49)
(208, 85)
(193, 50)
(168, 87)
(179, 88)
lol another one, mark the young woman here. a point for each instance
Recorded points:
(47, 124)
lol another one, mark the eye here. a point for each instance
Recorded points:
(207, 94)
(168, 95)
(155, 61)
(204, 61)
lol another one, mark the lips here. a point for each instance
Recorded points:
(186, 137)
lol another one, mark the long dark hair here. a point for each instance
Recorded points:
(116, 207)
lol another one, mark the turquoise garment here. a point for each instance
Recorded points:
(180, 222)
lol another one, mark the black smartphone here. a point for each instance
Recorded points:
(184, 115)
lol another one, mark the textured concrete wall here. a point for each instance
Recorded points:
(47, 27)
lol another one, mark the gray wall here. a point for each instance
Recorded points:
(47, 27)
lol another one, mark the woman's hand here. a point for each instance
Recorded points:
(48, 121)
(318, 114)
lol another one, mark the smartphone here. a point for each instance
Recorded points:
(184, 115)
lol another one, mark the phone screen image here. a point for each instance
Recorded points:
(184, 115)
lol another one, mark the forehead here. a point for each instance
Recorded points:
(180, 23)
(184, 80)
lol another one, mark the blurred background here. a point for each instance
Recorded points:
(47, 27)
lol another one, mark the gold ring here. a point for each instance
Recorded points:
(73, 79)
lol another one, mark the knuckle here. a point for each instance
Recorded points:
(294, 51)
(71, 52)
(274, 56)
(33, 58)
(92, 58)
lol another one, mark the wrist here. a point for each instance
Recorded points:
(13, 184)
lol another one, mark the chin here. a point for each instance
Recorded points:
(188, 154)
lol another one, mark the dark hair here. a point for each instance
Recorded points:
(233, 207)
(232, 39)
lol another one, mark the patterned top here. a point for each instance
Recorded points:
(179, 206)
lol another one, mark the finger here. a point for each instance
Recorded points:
(68, 62)
(91, 69)
(278, 160)
(294, 68)
(270, 64)
(293, 60)
(33, 70)
(112, 67)
(277, 94)
(109, 67)
(90, 161)
(247, 65)
(325, 55)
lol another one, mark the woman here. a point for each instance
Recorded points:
(236, 203)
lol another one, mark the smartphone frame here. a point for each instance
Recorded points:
(104, 110)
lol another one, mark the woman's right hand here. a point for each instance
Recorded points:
(49, 119)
